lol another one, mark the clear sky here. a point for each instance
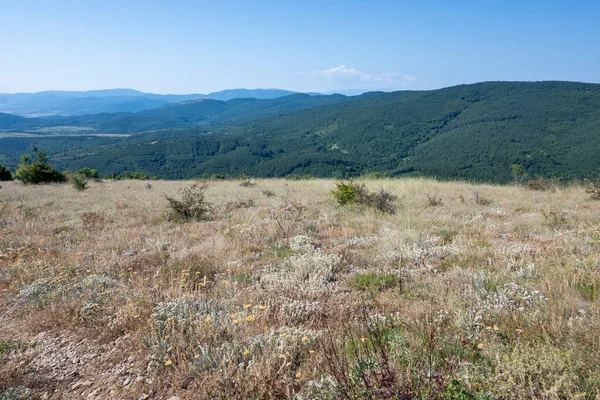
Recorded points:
(195, 46)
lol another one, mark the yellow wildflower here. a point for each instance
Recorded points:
(283, 334)
(364, 339)
(262, 308)
(305, 339)
(246, 352)
(480, 346)
(247, 306)
(250, 318)
(208, 319)
(168, 362)
(299, 375)
(236, 321)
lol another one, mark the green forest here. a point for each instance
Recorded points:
(474, 132)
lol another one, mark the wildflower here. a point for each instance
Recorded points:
(168, 362)
(208, 319)
(262, 308)
(246, 352)
(364, 339)
(311, 352)
(247, 306)
(136, 316)
(288, 364)
(283, 334)
(236, 321)
(234, 316)
(250, 318)
(196, 356)
(305, 339)
(167, 337)
(281, 356)
(299, 375)
(480, 346)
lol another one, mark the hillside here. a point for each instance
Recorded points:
(469, 132)
(56, 102)
(102, 296)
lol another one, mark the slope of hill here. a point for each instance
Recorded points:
(469, 132)
(188, 114)
(55, 102)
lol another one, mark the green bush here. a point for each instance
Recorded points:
(5, 174)
(89, 173)
(139, 175)
(192, 206)
(79, 181)
(347, 193)
(38, 170)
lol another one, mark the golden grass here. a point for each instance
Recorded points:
(498, 298)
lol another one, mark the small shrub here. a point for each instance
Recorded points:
(594, 191)
(38, 170)
(247, 183)
(434, 201)
(113, 176)
(372, 281)
(347, 193)
(482, 201)
(139, 176)
(217, 177)
(79, 181)
(268, 193)
(448, 236)
(5, 174)
(89, 173)
(354, 193)
(554, 218)
(192, 206)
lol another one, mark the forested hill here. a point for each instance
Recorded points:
(189, 114)
(472, 131)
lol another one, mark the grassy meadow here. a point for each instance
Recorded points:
(465, 292)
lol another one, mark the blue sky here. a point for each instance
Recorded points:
(202, 46)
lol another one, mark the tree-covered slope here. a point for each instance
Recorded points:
(470, 132)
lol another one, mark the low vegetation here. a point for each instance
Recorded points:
(277, 290)
(38, 170)
(5, 174)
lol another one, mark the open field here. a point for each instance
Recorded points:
(466, 292)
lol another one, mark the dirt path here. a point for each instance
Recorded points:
(50, 365)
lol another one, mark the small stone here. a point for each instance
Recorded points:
(127, 381)
(79, 384)
(174, 398)
(144, 397)
(129, 253)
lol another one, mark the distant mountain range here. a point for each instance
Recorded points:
(475, 132)
(112, 100)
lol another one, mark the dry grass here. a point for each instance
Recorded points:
(491, 292)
